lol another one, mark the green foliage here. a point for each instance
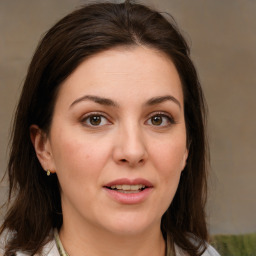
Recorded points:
(235, 245)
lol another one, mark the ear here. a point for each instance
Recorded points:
(185, 157)
(42, 148)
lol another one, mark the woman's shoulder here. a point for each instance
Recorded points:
(49, 249)
(209, 250)
(4, 238)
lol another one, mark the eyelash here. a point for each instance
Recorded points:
(162, 115)
(94, 114)
(169, 118)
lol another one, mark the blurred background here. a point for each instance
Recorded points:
(222, 36)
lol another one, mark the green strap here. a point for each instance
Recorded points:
(59, 245)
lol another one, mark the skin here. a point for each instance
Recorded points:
(127, 142)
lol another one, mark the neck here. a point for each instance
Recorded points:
(94, 242)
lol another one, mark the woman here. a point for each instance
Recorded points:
(108, 151)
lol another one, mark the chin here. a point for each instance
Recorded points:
(126, 224)
(128, 230)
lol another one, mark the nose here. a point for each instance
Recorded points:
(130, 147)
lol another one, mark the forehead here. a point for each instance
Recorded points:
(137, 72)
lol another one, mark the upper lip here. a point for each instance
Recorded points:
(126, 181)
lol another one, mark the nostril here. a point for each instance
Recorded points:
(132, 163)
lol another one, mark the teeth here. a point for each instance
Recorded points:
(129, 191)
(128, 187)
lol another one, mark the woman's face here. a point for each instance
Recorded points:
(118, 140)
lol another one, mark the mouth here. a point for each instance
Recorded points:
(127, 189)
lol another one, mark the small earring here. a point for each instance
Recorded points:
(48, 172)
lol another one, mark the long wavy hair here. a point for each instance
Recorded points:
(34, 198)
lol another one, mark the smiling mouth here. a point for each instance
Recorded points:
(128, 189)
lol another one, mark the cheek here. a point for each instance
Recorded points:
(169, 161)
(79, 165)
(169, 158)
(77, 157)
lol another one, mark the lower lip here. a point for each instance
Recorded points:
(129, 198)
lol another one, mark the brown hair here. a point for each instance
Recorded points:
(36, 207)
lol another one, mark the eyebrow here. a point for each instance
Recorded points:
(96, 99)
(109, 102)
(161, 99)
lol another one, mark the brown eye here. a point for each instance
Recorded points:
(156, 120)
(160, 120)
(95, 120)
